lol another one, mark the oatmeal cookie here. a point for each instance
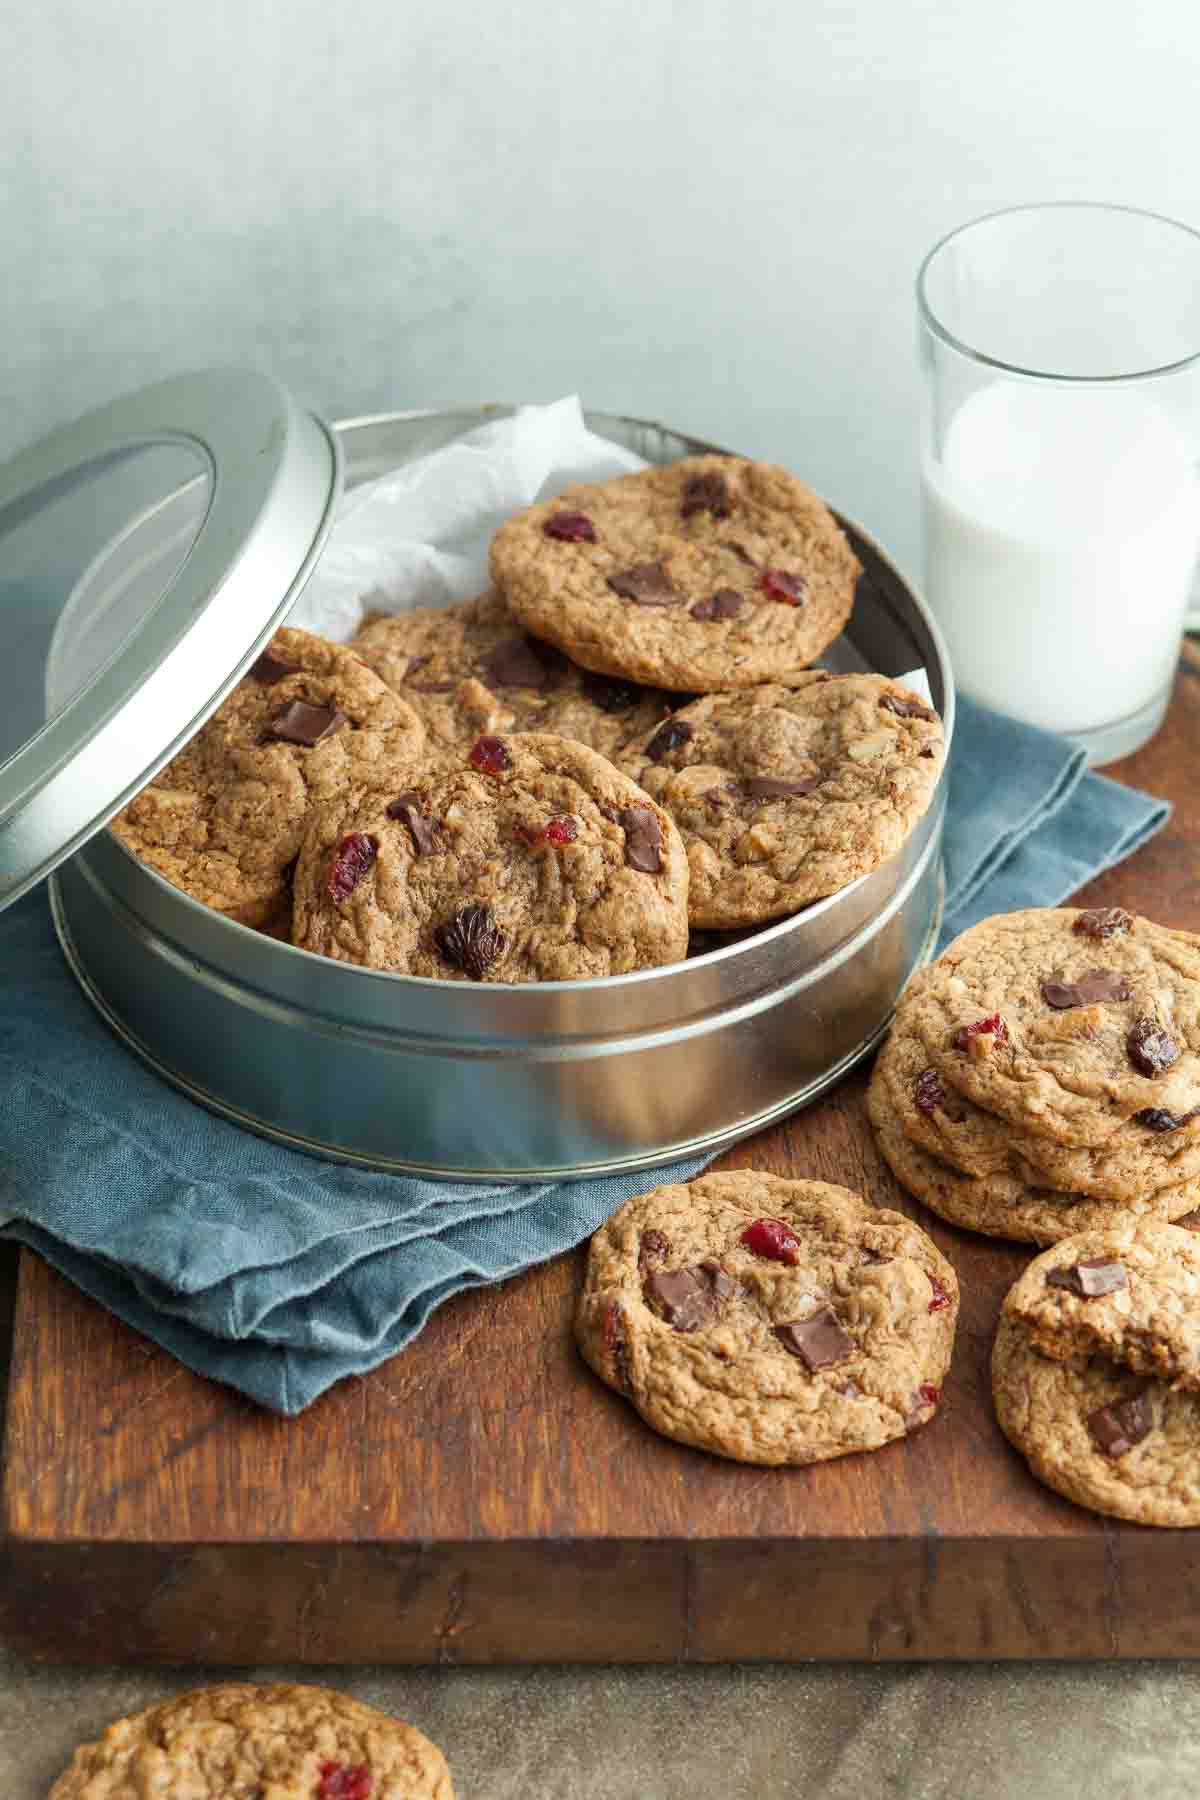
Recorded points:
(472, 669)
(710, 573)
(1129, 1168)
(225, 817)
(766, 1320)
(786, 794)
(1003, 1204)
(1067, 1023)
(1088, 1419)
(240, 1741)
(532, 859)
(1130, 1292)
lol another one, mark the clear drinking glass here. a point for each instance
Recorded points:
(1060, 346)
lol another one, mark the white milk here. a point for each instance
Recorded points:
(1062, 527)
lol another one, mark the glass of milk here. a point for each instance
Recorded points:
(1061, 462)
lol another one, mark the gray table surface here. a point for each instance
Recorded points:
(919, 1731)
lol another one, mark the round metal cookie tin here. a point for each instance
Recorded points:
(541, 1081)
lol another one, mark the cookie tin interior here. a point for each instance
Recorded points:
(222, 491)
(539, 1080)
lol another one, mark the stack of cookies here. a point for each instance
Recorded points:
(624, 738)
(1096, 1371)
(1042, 1078)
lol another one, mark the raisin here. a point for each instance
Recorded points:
(668, 737)
(1150, 1048)
(470, 940)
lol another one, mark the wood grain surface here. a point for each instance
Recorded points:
(483, 1497)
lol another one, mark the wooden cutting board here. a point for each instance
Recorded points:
(483, 1498)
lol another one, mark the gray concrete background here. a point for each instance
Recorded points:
(710, 213)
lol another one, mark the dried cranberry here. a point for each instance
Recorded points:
(561, 830)
(941, 1295)
(470, 939)
(352, 859)
(1103, 922)
(929, 1395)
(1150, 1048)
(668, 737)
(771, 1237)
(570, 528)
(780, 584)
(993, 1026)
(928, 1091)
(341, 1782)
(617, 1344)
(490, 756)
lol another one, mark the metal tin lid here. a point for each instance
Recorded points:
(103, 680)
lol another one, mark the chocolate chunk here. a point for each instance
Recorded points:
(1149, 1047)
(1103, 922)
(726, 603)
(470, 940)
(300, 723)
(524, 662)
(647, 584)
(421, 828)
(1097, 984)
(643, 839)
(1089, 1279)
(705, 493)
(610, 694)
(1157, 1118)
(767, 787)
(928, 1092)
(352, 858)
(652, 1247)
(616, 1342)
(271, 668)
(818, 1341)
(668, 737)
(688, 1298)
(1117, 1427)
(722, 1284)
(906, 709)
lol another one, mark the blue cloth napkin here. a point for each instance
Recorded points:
(279, 1273)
